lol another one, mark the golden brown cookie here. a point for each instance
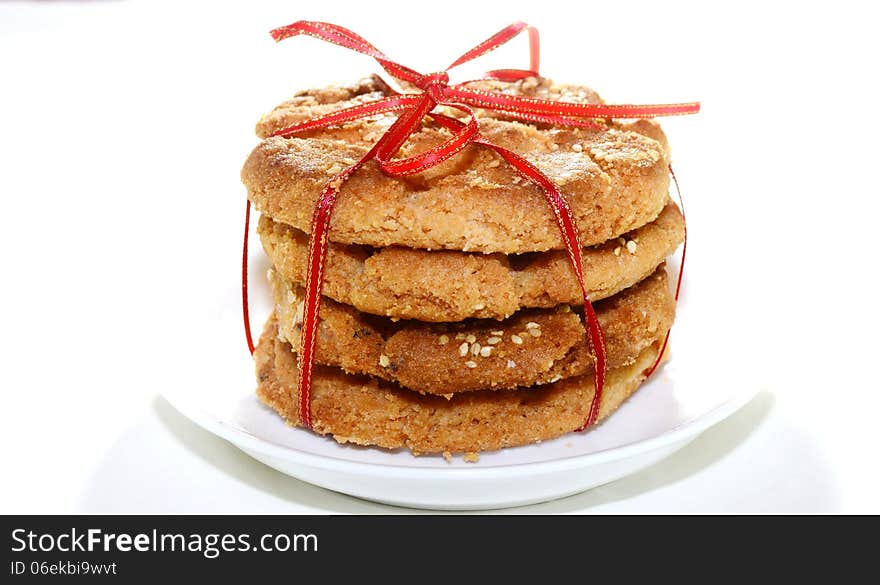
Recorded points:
(367, 411)
(532, 347)
(615, 178)
(447, 285)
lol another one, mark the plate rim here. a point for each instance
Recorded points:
(250, 442)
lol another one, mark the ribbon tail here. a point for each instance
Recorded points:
(384, 148)
(312, 300)
(568, 230)
(554, 120)
(493, 100)
(393, 103)
(245, 305)
(680, 272)
(318, 239)
(600, 366)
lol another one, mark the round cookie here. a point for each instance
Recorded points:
(534, 346)
(448, 285)
(614, 177)
(367, 411)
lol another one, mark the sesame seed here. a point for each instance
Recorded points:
(493, 340)
(535, 332)
(471, 364)
(444, 339)
(463, 349)
(475, 349)
(555, 378)
(486, 351)
(494, 163)
(498, 333)
(470, 338)
(384, 361)
(270, 274)
(577, 147)
(631, 246)
(532, 325)
(511, 364)
(516, 339)
(617, 251)
(554, 147)
(479, 306)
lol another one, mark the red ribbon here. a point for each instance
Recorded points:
(412, 108)
(684, 249)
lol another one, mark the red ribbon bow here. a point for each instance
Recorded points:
(412, 109)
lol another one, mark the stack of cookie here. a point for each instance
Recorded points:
(451, 317)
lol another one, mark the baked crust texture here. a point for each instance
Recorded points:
(366, 411)
(614, 177)
(448, 285)
(532, 347)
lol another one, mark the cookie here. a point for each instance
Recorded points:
(447, 285)
(532, 347)
(614, 178)
(367, 411)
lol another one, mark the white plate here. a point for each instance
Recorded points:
(689, 394)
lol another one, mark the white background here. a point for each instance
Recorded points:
(123, 126)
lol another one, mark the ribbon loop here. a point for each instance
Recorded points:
(493, 42)
(462, 135)
(412, 108)
(343, 37)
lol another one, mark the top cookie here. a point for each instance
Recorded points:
(615, 177)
